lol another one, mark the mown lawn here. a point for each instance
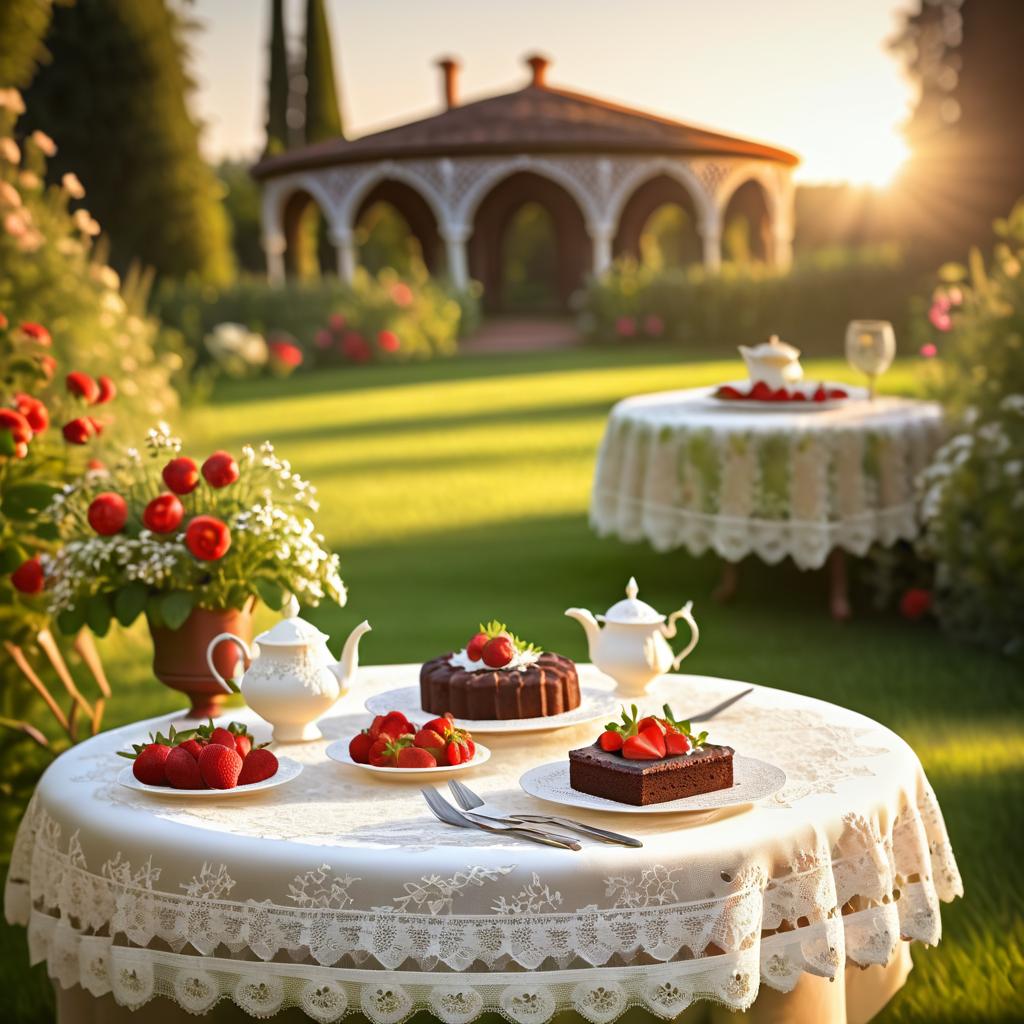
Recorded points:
(457, 491)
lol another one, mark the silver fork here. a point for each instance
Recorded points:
(709, 713)
(444, 811)
(469, 801)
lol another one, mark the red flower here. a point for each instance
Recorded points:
(654, 326)
(78, 431)
(181, 475)
(625, 327)
(108, 513)
(37, 332)
(107, 388)
(97, 425)
(28, 577)
(355, 347)
(915, 603)
(401, 294)
(163, 514)
(83, 386)
(3, 322)
(48, 365)
(388, 341)
(336, 321)
(34, 411)
(220, 469)
(323, 339)
(207, 538)
(286, 353)
(96, 466)
(18, 424)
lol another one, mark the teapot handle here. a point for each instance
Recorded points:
(211, 647)
(684, 613)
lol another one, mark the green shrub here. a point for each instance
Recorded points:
(809, 305)
(425, 317)
(973, 493)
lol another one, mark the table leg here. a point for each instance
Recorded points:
(728, 584)
(838, 595)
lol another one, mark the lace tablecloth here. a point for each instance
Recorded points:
(339, 892)
(681, 469)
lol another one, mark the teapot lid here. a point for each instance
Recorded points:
(290, 631)
(631, 611)
(775, 348)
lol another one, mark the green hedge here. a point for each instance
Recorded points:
(810, 305)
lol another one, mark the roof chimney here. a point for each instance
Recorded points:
(538, 65)
(450, 81)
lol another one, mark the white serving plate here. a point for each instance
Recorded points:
(855, 394)
(287, 769)
(752, 780)
(338, 751)
(595, 705)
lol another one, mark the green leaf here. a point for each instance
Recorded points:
(271, 593)
(6, 442)
(176, 607)
(11, 557)
(130, 601)
(98, 613)
(26, 501)
(154, 613)
(71, 620)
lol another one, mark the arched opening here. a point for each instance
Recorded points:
(519, 217)
(747, 226)
(658, 225)
(395, 227)
(308, 249)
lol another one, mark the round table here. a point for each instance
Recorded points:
(683, 469)
(339, 893)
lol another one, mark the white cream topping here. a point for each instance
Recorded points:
(521, 659)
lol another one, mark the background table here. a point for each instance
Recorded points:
(340, 892)
(681, 469)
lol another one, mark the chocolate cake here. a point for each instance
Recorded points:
(548, 686)
(608, 774)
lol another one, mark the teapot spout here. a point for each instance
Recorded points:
(345, 668)
(590, 627)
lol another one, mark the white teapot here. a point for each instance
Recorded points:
(292, 679)
(774, 362)
(632, 647)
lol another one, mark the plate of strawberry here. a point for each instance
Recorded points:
(394, 746)
(210, 761)
(802, 397)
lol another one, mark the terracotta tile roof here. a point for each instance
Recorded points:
(531, 120)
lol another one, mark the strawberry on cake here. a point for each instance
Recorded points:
(498, 676)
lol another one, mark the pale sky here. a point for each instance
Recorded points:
(809, 75)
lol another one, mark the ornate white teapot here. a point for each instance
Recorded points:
(632, 647)
(292, 679)
(773, 362)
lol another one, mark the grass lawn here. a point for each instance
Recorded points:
(458, 490)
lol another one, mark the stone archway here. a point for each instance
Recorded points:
(642, 205)
(414, 210)
(748, 225)
(307, 248)
(495, 213)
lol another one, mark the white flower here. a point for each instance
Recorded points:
(85, 223)
(74, 188)
(10, 99)
(9, 195)
(44, 143)
(9, 150)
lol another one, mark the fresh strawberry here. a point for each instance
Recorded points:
(243, 744)
(225, 737)
(648, 745)
(194, 747)
(676, 743)
(454, 753)
(259, 764)
(441, 725)
(374, 731)
(183, 770)
(149, 766)
(475, 646)
(220, 766)
(429, 740)
(416, 757)
(780, 395)
(838, 393)
(470, 746)
(393, 724)
(610, 740)
(385, 749)
(729, 392)
(359, 747)
(798, 396)
(498, 652)
(761, 392)
(820, 394)
(650, 722)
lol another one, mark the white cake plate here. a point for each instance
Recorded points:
(752, 780)
(287, 769)
(854, 394)
(595, 705)
(338, 751)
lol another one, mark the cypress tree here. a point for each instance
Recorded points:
(323, 118)
(277, 88)
(114, 98)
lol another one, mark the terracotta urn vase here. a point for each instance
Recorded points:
(179, 655)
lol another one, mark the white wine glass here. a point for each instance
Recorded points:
(870, 348)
